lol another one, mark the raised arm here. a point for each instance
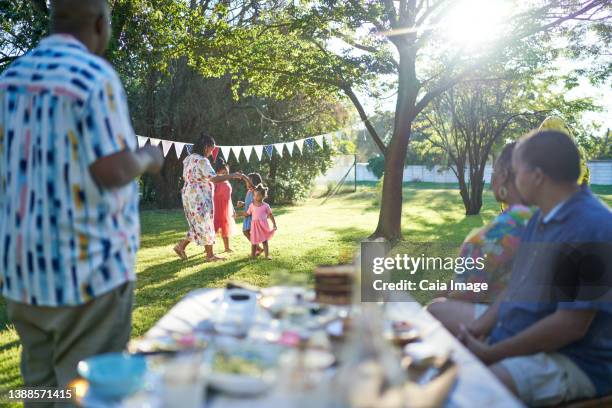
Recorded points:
(119, 169)
(225, 177)
(247, 181)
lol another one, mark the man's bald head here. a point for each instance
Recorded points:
(88, 20)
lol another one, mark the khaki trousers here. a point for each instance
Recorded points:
(55, 339)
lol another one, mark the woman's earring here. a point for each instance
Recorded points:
(503, 193)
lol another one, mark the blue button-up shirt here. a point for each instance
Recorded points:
(565, 262)
(63, 240)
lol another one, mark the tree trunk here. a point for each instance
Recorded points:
(476, 189)
(390, 217)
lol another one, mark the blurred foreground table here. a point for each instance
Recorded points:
(475, 386)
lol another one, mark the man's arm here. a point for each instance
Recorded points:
(119, 169)
(482, 327)
(552, 333)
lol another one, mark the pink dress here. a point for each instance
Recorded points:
(260, 229)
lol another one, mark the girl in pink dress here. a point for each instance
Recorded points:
(260, 211)
(224, 213)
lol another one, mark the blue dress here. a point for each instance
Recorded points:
(246, 224)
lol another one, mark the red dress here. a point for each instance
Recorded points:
(224, 209)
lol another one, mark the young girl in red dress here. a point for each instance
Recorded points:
(260, 211)
(224, 212)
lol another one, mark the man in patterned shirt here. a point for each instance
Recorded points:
(69, 226)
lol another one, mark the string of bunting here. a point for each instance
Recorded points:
(246, 151)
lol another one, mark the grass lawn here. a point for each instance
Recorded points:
(309, 234)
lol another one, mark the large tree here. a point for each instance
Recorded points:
(407, 39)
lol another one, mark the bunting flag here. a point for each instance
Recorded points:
(142, 141)
(189, 148)
(268, 149)
(329, 139)
(319, 140)
(166, 146)
(247, 151)
(258, 151)
(178, 148)
(225, 151)
(290, 146)
(309, 142)
(300, 144)
(154, 142)
(215, 153)
(236, 150)
(279, 148)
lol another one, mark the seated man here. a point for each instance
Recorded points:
(550, 333)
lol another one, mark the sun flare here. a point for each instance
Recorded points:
(474, 22)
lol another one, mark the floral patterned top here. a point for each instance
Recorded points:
(496, 242)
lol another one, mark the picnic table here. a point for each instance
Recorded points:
(475, 384)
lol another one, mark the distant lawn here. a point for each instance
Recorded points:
(309, 234)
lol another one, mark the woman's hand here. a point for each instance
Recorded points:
(275, 227)
(239, 204)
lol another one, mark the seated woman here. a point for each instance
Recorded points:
(496, 243)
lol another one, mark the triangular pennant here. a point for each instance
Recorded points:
(189, 148)
(166, 146)
(279, 148)
(142, 141)
(247, 151)
(258, 151)
(329, 139)
(319, 140)
(215, 153)
(236, 150)
(178, 148)
(225, 151)
(290, 146)
(310, 142)
(269, 150)
(154, 142)
(300, 144)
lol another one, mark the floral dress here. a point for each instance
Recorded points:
(496, 242)
(197, 194)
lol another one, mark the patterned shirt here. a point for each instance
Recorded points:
(497, 243)
(63, 239)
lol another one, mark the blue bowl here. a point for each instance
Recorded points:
(113, 375)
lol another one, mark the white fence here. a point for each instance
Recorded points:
(601, 173)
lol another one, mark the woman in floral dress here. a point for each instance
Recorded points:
(197, 193)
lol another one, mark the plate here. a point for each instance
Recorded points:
(243, 369)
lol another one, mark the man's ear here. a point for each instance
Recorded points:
(538, 176)
(99, 25)
(504, 176)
